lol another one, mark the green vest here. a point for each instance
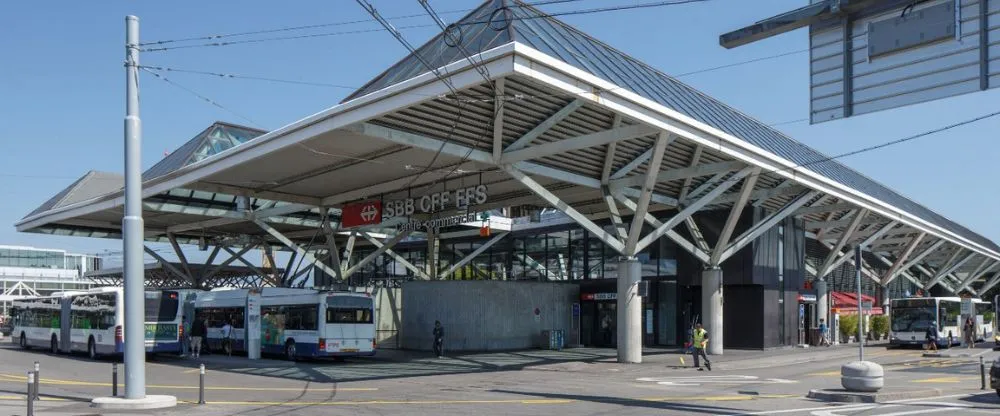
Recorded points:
(699, 338)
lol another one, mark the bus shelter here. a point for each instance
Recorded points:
(516, 108)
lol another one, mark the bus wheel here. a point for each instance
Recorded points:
(290, 350)
(24, 341)
(54, 345)
(91, 349)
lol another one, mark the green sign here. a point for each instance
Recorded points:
(161, 332)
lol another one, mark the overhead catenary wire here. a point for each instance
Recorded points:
(417, 26)
(322, 25)
(199, 95)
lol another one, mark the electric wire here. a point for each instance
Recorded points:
(321, 25)
(417, 26)
(206, 99)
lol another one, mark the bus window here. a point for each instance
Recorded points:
(161, 306)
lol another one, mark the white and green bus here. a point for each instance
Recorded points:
(92, 321)
(911, 318)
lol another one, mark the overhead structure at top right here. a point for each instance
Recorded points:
(871, 55)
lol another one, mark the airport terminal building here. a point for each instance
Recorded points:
(523, 177)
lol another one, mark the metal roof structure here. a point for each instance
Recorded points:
(542, 114)
(170, 275)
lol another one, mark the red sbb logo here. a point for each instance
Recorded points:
(362, 213)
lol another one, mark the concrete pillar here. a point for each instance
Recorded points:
(432, 254)
(711, 308)
(629, 311)
(823, 302)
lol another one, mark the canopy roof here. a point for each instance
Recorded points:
(543, 114)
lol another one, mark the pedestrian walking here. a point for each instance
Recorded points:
(823, 332)
(227, 338)
(438, 339)
(931, 337)
(700, 341)
(199, 329)
(186, 338)
(969, 331)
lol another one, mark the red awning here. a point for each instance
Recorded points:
(847, 302)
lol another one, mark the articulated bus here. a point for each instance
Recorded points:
(296, 323)
(92, 321)
(912, 317)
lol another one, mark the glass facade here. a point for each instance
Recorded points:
(550, 255)
(45, 259)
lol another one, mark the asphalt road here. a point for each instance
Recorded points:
(585, 382)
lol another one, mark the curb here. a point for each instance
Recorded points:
(843, 396)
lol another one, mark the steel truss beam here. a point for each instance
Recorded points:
(976, 274)
(642, 206)
(734, 215)
(835, 251)
(243, 260)
(544, 126)
(402, 260)
(701, 255)
(720, 168)
(378, 252)
(864, 243)
(296, 248)
(471, 256)
(825, 208)
(950, 267)
(557, 203)
(901, 263)
(639, 160)
(766, 224)
(692, 208)
(989, 285)
(208, 276)
(331, 244)
(167, 265)
(576, 143)
(498, 121)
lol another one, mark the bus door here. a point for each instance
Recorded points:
(65, 325)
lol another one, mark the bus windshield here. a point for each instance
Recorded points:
(348, 310)
(912, 319)
(161, 306)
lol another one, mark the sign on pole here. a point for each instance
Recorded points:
(253, 324)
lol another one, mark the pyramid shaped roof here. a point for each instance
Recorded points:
(91, 185)
(497, 23)
(218, 137)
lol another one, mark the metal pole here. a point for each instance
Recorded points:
(38, 380)
(201, 384)
(114, 379)
(861, 310)
(132, 225)
(982, 374)
(31, 386)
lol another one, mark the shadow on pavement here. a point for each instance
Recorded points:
(395, 364)
(51, 396)
(988, 397)
(620, 401)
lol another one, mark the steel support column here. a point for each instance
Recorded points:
(296, 248)
(406, 263)
(835, 251)
(642, 206)
(378, 252)
(629, 311)
(471, 256)
(711, 309)
(734, 215)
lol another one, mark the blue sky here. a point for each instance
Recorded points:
(62, 90)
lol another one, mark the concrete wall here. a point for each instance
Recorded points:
(484, 315)
(388, 317)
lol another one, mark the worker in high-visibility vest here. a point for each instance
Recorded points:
(700, 341)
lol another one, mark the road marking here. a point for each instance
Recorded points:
(826, 373)
(496, 401)
(943, 380)
(725, 379)
(43, 398)
(842, 408)
(58, 382)
(938, 407)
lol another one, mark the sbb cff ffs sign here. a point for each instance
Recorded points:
(361, 213)
(438, 201)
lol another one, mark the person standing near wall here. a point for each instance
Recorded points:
(438, 339)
